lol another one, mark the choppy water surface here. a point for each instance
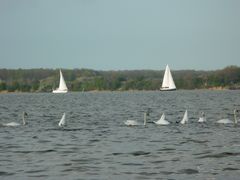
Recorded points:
(97, 145)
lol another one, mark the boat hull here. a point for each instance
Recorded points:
(167, 89)
(59, 91)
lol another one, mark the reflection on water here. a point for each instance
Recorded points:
(97, 145)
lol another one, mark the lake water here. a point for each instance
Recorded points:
(97, 145)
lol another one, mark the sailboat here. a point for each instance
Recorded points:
(168, 83)
(62, 85)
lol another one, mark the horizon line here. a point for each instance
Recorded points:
(78, 68)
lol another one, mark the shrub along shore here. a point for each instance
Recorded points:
(44, 80)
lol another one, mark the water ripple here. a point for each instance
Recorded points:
(188, 171)
(220, 155)
(96, 144)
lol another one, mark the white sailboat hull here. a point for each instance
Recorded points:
(168, 89)
(59, 91)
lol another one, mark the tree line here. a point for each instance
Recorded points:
(44, 80)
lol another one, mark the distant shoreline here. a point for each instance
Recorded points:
(92, 91)
(44, 80)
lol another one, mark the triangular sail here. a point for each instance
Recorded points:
(171, 82)
(165, 82)
(62, 84)
(168, 82)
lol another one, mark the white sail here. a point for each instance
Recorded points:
(165, 82)
(62, 85)
(168, 83)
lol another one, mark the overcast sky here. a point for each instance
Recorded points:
(120, 34)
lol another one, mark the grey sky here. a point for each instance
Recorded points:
(119, 34)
